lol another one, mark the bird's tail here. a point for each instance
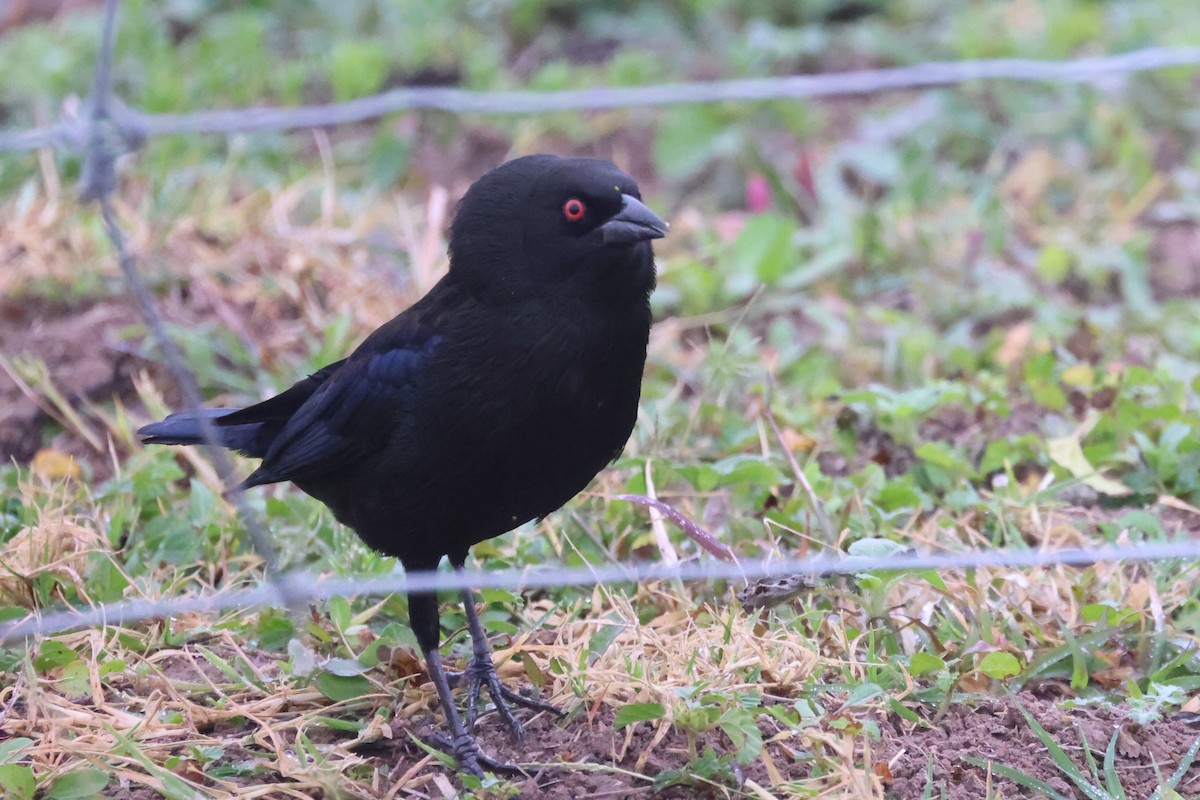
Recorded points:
(185, 427)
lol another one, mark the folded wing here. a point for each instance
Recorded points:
(349, 415)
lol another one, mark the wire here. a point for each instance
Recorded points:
(310, 587)
(134, 126)
(98, 181)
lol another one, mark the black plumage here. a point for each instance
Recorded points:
(490, 402)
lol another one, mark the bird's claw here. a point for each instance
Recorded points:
(470, 758)
(481, 672)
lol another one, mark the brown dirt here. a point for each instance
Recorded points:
(90, 359)
(871, 445)
(961, 428)
(992, 730)
(996, 731)
(1174, 260)
(593, 741)
(87, 359)
(16, 13)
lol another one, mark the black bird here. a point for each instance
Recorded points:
(492, 401)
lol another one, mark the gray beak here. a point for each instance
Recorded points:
(633, 223)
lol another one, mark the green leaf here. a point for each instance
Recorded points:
(1054, 263)
(938, 453)
(17, 781)
(357, 68)
(702, 477)
(688, 138)
(1059, 756)
(339, 612)
(1000, 665)
(213, 753)
(933, 579)
(1079, 661)
(504, 597)
(343, 667)
(637, 712)
(113, 665)
(862, 694)
(1100, 612)
(898, 494)
(54, 653)
(904, 712)
(601, 640)
(225, 666)
(745, 469)
(877, 164)
(389, 157)
(11, 747)
(75, 679)
(342, 687)
(764, 247)
(274, 630)
(83, 784)
(1141, 520)
(924, 663)
(738, 724)
(201, 502)
(347, 725)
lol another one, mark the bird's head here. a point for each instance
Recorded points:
(539, 224)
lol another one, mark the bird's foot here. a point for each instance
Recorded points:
(482, 672)
(470, 758)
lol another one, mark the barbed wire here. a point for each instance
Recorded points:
(135, 126)
(98, 180)
(310, 587)
(109, 128)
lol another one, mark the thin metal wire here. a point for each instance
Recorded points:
(135, 125)
(311, 587)
(98, 181)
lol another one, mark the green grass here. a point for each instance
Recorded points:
(976, 331)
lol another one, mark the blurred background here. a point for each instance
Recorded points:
(973, 311)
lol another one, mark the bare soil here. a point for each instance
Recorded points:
(996, 731)
(87, 359)
(993, 730)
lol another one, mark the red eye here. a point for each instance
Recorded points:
(574, 209)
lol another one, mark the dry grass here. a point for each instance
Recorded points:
(140, 706)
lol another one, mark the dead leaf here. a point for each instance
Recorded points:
(1015, 344)
(54, 464)
(798, 442)
(1127, 745)
(1067, 452)
(1027, 181)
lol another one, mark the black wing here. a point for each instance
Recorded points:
(350, 414)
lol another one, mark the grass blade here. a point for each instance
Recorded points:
(1017, 777)
(1059, 756)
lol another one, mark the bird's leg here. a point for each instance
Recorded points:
(481, 671)
(423, 615)
(461, 744)
(442, 742)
